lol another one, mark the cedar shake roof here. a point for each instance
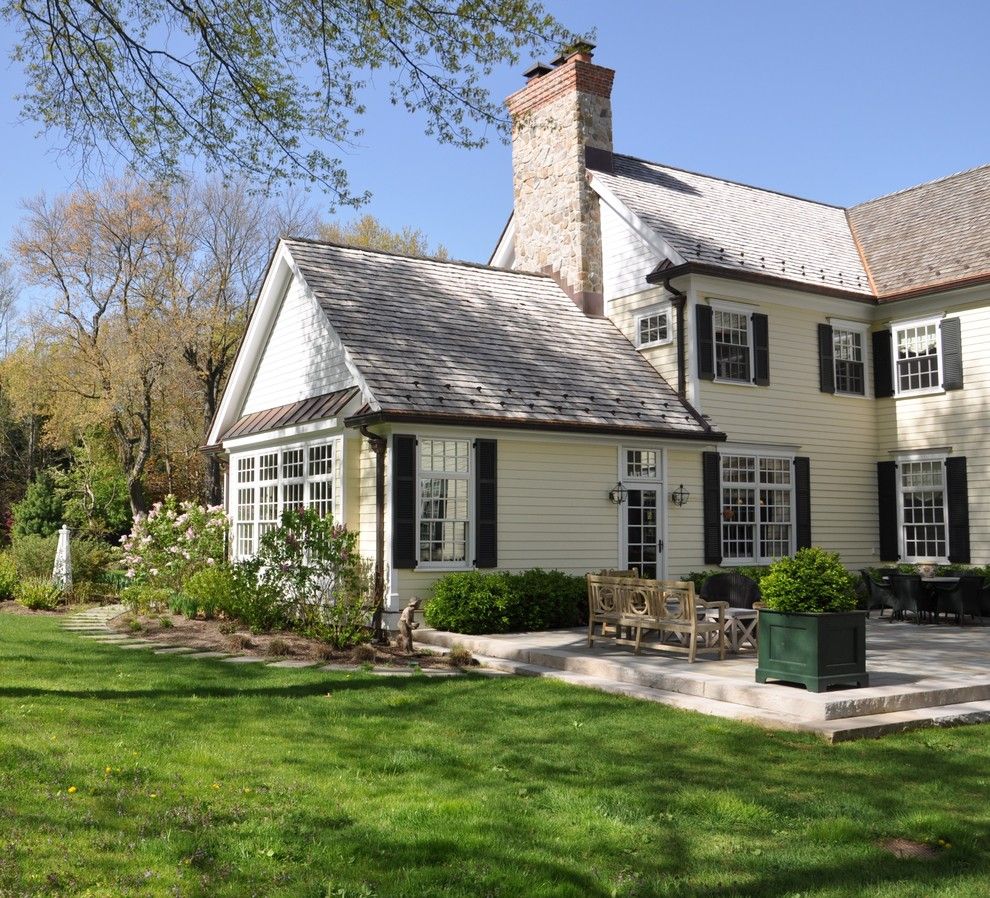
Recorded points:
(304, 411)
(741, 228)
(457, 341)
(936, 233)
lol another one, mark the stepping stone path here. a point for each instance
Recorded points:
(94, 624)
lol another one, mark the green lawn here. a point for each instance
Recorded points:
(200, 778)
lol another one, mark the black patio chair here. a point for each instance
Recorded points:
(911, 595)
(878, 595)
(962, 597)
(736, 589)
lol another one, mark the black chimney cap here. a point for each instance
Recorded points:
(568, 51)
(536, 70)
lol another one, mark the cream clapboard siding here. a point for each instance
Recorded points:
(685, 524)
(301, 357)
(626, 258)
(958, 420)
(625, 312)
(838, 433)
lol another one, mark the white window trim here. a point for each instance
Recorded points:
(660, 309)
(255, 452)
(863, 329)
(719, 305)
(896, 326)
(757, 453)
(469, 548)
(901, 542)
(659, 482)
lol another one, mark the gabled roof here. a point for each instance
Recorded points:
(304, 411)
(454, 341)
(739, 228)
(933, 234)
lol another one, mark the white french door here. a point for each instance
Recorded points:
(642, 530)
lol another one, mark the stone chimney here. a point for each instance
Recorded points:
(560, 120)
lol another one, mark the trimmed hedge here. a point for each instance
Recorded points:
(475, 602)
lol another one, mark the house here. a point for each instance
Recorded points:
(658, 369)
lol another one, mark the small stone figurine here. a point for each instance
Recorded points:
(406, 626)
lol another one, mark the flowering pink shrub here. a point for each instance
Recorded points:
(173, 541)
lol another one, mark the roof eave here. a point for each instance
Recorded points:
(386, 416)
(660, 275)
(975, 280)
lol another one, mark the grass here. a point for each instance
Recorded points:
(126, 773)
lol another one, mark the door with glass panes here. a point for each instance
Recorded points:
(642, 510)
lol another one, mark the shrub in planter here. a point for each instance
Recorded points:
(812, 581)
(38, 594)
(8, 577)
(471, 602)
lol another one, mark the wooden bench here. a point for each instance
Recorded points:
(669, 607)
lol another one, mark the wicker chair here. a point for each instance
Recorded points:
(878, 595)
(910, 595)
(962, 597)
(736, 590)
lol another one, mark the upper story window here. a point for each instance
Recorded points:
(653, 328)
(444, 502)
(917, 357)
(733, 346)
(849, 357)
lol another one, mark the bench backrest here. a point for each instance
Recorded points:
(672, 600)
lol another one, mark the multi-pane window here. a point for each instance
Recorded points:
(270, 482)
(917, 357)
(653, 328)
(756, 508)
(923, 522)
(641, 464)
(732, 345)
(444, 491)
(849, 360)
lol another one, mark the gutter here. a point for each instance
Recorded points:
(680, 305)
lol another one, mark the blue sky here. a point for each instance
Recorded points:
(840, 101)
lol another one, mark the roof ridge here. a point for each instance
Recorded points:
(688, 171)
(949, 177)
(464, 263)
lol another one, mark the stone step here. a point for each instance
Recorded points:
(662, 675)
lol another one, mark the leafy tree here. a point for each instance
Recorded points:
(369, 233)
(265, 88)
(39, 513)
(94, 489)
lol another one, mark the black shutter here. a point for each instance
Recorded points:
(952, 363)
(802, 503)
(403, 501)
(887, 507)
(826, 359)
(761, 349)
(706, 343)
(712, 498)
(883, 365)
(957, 507)
(485, 503)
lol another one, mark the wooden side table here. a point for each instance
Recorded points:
(741, 627)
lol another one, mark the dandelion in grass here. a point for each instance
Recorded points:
(72, 790)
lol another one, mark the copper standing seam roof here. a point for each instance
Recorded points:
(304, 411)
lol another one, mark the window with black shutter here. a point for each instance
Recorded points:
(802, 503)
(486, 503)
(712, 501)
(887, 510)
(403, 501)
(826, 359)
(952, 361)
(957, 506)
(706, 346)
(761, 349)
(883, 365)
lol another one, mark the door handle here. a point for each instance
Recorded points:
(659, 546)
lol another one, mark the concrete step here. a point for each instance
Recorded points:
(674, 675)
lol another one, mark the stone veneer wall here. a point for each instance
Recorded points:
(558, 231)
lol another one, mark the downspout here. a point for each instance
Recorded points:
(379, 446)
(679, 303)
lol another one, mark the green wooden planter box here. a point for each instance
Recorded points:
(818, 650)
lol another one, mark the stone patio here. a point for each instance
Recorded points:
(919, 676)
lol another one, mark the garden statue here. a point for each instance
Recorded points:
(62, 571)
(407, 625)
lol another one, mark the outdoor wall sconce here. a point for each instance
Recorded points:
(680, 496)
(617, 495)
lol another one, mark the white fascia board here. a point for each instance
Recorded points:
(301, 432)
(641, 229)
(505, 250)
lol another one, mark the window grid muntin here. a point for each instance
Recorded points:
(653, 328)
(642, 464)
(924, 525)
(732, 345)
(917, 357)
(849, 361)
(444, 501)
(757, 507)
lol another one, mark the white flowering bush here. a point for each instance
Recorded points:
(174, 540)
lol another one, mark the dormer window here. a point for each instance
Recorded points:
(653, 328)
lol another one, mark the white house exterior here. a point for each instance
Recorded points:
(808, 374)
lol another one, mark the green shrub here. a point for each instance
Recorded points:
(811, 581)
(471, 602)
(38, 593)
(34, 556)
(212, 590)
(8, 577)
(545, 600)
(144, 599)
(93, 563)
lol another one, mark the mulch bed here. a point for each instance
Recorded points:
(12, 607)
(210, 635)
